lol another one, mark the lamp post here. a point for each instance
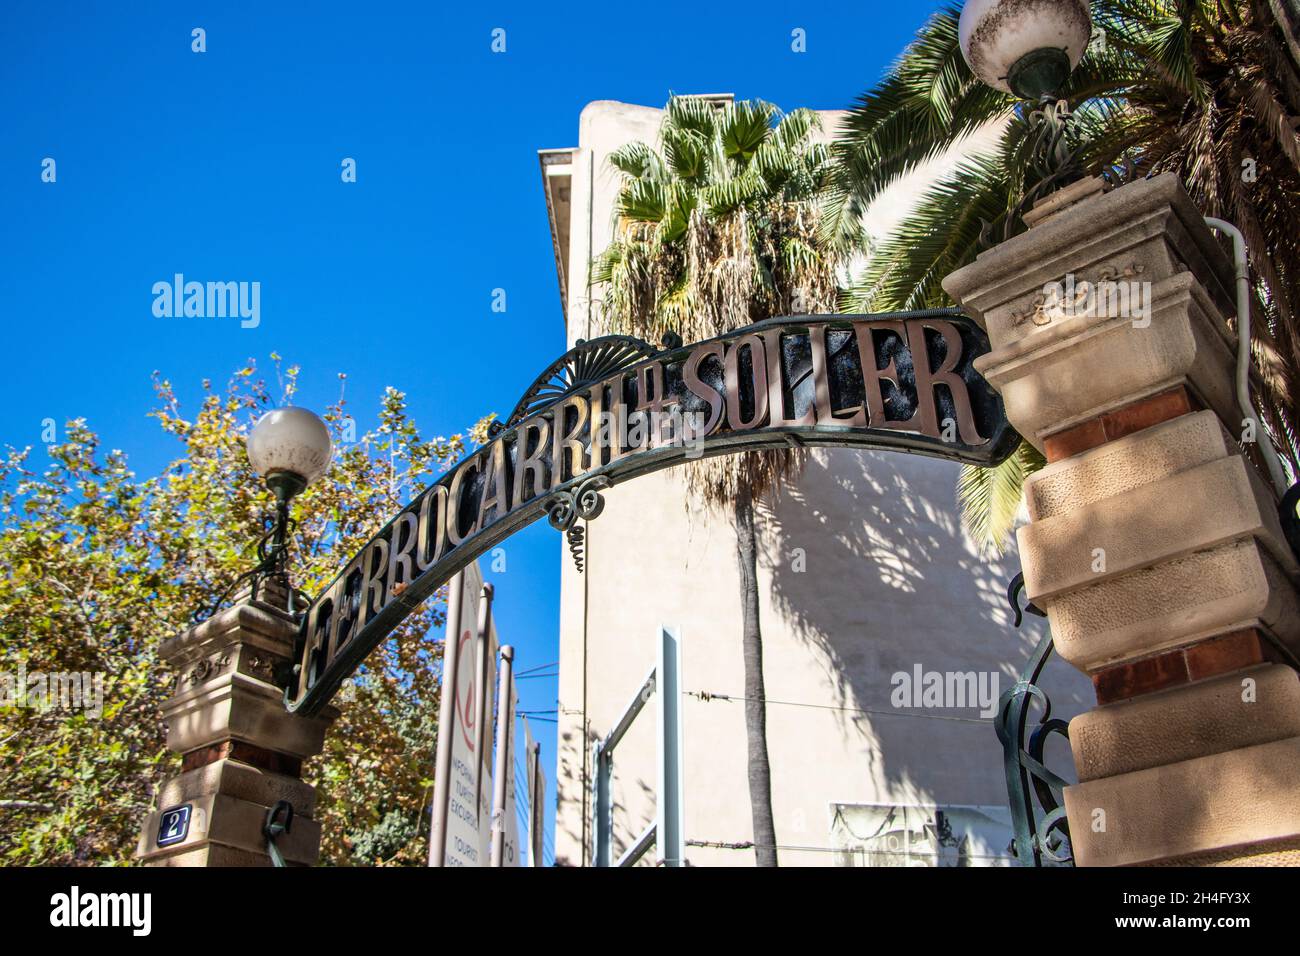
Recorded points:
(1029, 48)
(290, 448)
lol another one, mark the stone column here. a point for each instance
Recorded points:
(242, 752)
(1154, 544)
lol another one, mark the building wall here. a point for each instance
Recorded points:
(864, 571)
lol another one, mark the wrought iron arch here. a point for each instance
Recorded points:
(904, 381)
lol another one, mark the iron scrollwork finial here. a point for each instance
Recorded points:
(564, 508)
(272, 563)
(1013, 598)
(1052, 162)
(1039, 838)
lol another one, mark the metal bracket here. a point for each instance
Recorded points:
(1013, 598)
(667, 832)
(1052, 161)
(279, 820)
(272, 562)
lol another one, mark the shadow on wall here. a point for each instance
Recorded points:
(871, 568)
(569, 780)
(887, 580)
(626, 828)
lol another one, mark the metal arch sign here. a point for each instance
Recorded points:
(616, 408)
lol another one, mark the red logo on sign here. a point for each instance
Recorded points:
(465, 705)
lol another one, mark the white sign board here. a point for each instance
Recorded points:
(921, 835)
(465, 837)
(536, 798)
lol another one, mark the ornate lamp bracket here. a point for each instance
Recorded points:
(272, 549)
(1051, 159)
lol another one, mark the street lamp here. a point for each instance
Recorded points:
(289, 448)
(1029, 48)
(1025, 47)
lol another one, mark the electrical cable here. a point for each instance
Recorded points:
(749, 845)
(707, 696)
(537, 667)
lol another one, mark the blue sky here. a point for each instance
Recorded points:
(225, 166)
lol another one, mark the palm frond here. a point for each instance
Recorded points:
(990, 497)
(940, 236)
(745, 127)
(691, 114)
(686, 153)
(637, 160)
(642, 200)
(927, 102)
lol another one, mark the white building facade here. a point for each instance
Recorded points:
(868, 588)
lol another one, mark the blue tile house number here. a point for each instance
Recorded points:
(174, 825)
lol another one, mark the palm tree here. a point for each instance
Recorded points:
(719, 226)
(1208, 89)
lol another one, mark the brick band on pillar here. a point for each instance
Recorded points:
(1154, 544)
(247, 753)
(1123, 421)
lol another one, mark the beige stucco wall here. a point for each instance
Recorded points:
(888, 581)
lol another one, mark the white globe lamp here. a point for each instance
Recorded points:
(1025, 47)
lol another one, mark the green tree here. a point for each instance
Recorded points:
(1207, 90)
(101, 566)
(718, 227)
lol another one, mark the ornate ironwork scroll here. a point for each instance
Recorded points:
(615, 408)
(1041, 830)
(1051, 160)
(565, 508)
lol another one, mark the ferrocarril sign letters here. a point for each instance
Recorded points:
(615, 408)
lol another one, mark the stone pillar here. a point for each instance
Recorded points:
(241, 750)
(1154, 544)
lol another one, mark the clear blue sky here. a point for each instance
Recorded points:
(225, 165)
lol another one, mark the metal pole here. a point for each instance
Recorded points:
(602, 836)
(480, 703)
(670, 834)
(505, 715)
(446, 722)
